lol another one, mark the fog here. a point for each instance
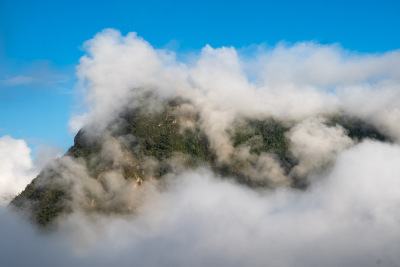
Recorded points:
(349, 217)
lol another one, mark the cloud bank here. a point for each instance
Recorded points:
(349, 218)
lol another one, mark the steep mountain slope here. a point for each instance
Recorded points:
(106, 169)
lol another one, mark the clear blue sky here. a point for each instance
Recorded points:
(40, 43)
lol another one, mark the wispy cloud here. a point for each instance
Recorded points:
(26, 80)
(34, 73)
(18, 80)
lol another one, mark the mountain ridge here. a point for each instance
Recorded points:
(142, 145)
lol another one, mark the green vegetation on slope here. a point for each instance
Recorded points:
(141, 134)
(42, 202)
(357, 129)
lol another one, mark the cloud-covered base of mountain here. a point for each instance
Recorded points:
(349, 216)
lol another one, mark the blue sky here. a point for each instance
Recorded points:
(40, 43)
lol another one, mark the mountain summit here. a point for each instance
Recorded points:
(108, 168)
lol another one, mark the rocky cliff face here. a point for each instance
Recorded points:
(105, 171)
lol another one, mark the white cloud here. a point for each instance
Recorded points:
(348, 217)
(77, 122)
(16, 167)
(315, 144)
(115, 65)
(291, 82)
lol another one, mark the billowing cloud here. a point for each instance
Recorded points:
(315, 144)
(348, 218)
(16, 167)
(288, 81)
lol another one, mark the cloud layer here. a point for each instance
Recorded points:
(349, 218)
